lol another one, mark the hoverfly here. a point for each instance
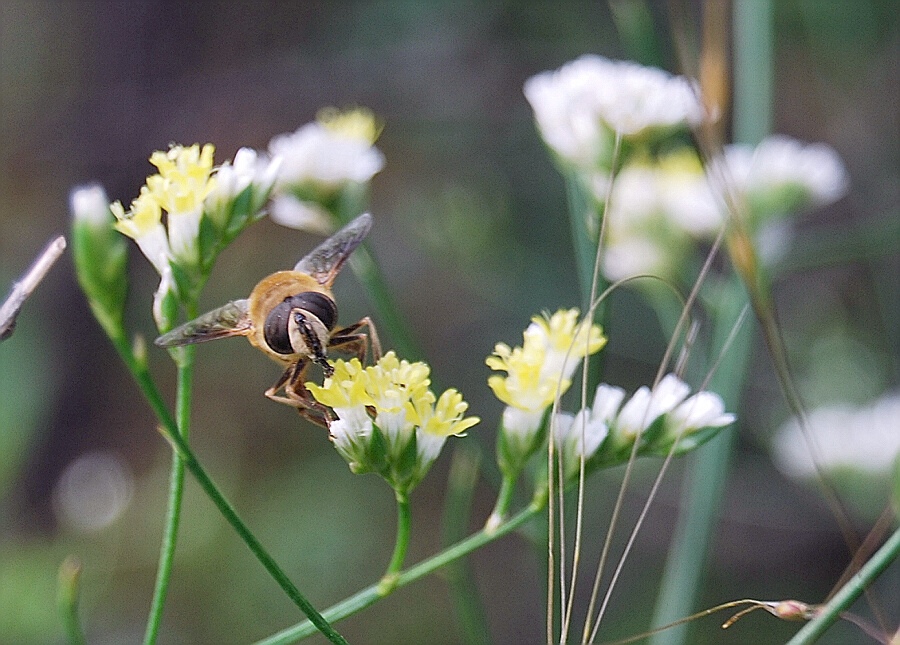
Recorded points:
(292, 317)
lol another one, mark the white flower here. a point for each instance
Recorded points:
(781, 163)
(248, 168)
(859, 438)
(703, 410)
(326, 156)
(654, 214)
(579, 106)
(645, 406)
(581, 434)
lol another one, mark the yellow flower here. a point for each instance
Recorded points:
(405, 409)
(346, 388)
(184, 178)
(141, 219)
(544, 364)
(445, 417)
(143, 223)
(523, 387)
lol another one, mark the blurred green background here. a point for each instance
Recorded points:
(471, 229)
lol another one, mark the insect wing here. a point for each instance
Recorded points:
(324, 262)
(232, 319)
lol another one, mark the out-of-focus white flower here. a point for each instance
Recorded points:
(579, 106)
(702, 410)
(327, 154)
(580, 435)
(288, 210)
(782, 175)
(655, 212)
(865, 439)
(646, 405)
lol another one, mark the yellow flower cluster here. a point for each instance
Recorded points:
(394, 388)
(543, 365)
(184, 179)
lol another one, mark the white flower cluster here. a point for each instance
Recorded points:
(668, 403)
(319, 160)
(580, 106)
(864, 439)
(658, 211)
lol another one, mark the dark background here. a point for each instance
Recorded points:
(471, 229)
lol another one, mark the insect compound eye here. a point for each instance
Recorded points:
(276, 330)
(316, 304)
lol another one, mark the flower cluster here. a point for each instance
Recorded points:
(864, 439)
(323, 161)
(659, 210)
(388, 419)
(580, 107)
(662, 205)
(536, 373)
(663, 419)
(204, 209)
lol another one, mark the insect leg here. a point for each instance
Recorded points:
(351, 340)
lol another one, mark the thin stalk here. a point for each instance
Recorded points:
(374, 593)
(176, 496)
(183, 397)
(842, 600)
(169, 428)
(706, 473)
(400, 545)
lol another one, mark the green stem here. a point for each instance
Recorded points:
(69, 578)
(370, 276)
(400, 546)
(504, 499)
(176, 493)
(371, 595)
(842, 600)
(464, 472)
(169, 428)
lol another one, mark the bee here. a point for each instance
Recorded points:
(292, 317)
